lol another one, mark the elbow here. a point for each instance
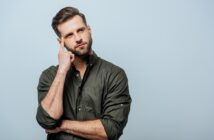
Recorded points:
(115, 135)
(113, 131)
(45, 120)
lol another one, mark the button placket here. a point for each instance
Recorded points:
(79, 109)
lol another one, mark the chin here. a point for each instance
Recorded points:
(81, 54)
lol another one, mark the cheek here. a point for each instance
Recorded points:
(87, 36)
(69, 44)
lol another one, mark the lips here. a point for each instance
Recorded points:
(80, 45)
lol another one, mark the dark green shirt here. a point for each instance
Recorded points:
(102, 94)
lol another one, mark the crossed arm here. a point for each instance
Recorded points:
(92, 129)
(53, 105)
(116, 106)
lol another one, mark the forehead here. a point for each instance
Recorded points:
(71, 25)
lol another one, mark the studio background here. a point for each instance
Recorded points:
(166, 48)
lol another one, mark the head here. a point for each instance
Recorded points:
(69, 23)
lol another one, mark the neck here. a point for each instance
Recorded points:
(80, 63)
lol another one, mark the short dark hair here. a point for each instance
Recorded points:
(65, 14)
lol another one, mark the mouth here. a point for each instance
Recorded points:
(80, 45)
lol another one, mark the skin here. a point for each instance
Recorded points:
(76, 38)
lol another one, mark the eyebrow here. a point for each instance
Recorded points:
(81, 28)
(68, 34)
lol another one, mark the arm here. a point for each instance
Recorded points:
(92, 129)
(53, 101)
(116, 104)
(116, 108)
(51, 104)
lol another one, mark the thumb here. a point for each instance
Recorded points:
(72, 56)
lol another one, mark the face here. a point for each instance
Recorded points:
(77, 36)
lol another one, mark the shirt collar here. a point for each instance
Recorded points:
(92, 59)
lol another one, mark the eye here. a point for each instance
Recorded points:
(81, 30)
(69, 35)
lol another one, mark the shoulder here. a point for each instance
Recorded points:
(111, 70)
(109, 66)
(114, 76)
(49, 72)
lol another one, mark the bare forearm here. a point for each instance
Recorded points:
(92, 129)
(53, 102)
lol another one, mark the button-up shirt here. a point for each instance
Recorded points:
(102, 94)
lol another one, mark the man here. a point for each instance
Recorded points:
(84, 96)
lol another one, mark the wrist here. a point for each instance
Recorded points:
(63, 125)
(62, 71)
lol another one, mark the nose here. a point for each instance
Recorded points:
(78, 38)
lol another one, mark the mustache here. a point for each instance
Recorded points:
(80, 44)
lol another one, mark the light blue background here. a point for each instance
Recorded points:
(165, 46)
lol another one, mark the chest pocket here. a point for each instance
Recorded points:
(90, 113)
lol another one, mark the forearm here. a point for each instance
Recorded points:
(92, 129)
(53, 102)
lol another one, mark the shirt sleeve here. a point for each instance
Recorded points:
(42, 117)
(116, 105)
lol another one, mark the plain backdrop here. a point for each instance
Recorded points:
(166, 48)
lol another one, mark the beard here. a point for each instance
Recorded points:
(80, 54)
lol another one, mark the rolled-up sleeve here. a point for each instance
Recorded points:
(42, 117)
(116, 105)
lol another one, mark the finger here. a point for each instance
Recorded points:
(72, 57)
(62, 44)
(70, 53)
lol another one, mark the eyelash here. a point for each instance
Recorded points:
(80, 30)
(70, 35)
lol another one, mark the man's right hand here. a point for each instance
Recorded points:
(53, 101)
(65, 58)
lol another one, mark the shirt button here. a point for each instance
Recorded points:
(121, 104)
(79, 108)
